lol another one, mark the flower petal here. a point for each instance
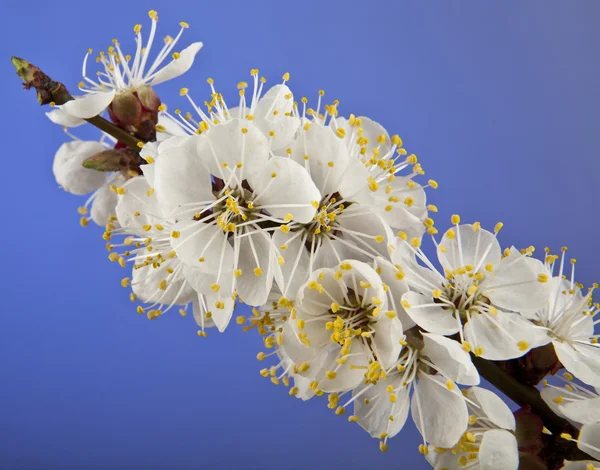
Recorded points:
(366, 235)
(58, 116)
(178, 66)
(89, 105)
(68, 169)
(104, 205)
(134, 201)
(145, 283)
(386, 340)
(585, 411)
(589, 440)
(255, 253)
(201, 245)
(503, 336)
(451, 360)
(514, 285)
(223, 147)
(374, 417)
(180, 177)
(397, 287)
(493, 407)
(282, 185)
(294, 272)
(583, 362)
(327, 156)
(498, 451)
(468, 245)
(439, 413)
(429, 315)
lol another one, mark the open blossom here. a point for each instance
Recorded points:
(159, 278)
(220, 186)
(568, 316)
(120, 75)
(480, 293)
(75, 179)
(346, 335)
(395, 196)
(489, 442)
(269, 320)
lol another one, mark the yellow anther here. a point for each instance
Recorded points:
(455, 219)
(523, 345)
(257, 271)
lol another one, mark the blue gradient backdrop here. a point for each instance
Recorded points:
(498, 99)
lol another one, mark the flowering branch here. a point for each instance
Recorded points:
(50, 91)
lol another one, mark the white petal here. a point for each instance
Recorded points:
(68, 169)
(550, 394)
(228, 144)
(145, 284)
(396, 288)
(493, 407)
(137, 201)
(513, 285)
(253, 289)
(300, 353)
(440, 414)
(199, 240)
(58, 116)
(386, 340)
(357, 218)
(432, 318)
(589, 440)
(498, 451)
(318, 303)
(294, 272)
(449, 357)
(349, 375)
(291, 185)
(503, 336)
(179, 66)
(103, 206)
(375, 416)
(324, 149)
(583, 362)
(199, 311)
(180, 177)
(270, 115)
(89, 105)
(586, 411)
(169, 128)
(473, 246)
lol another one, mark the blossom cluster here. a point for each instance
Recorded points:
(317, 222)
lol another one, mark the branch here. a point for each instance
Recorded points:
(50, 91)
(524, 395)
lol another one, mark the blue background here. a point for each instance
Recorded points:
(499, 100)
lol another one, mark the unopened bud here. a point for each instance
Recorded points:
(148, 98)
(120, 159)
(125, 109)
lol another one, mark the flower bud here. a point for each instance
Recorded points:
(125, 110)
(148, 98)
(117, 159)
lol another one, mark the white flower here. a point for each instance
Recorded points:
(489, 442)
(345, 334)
(120, 73)
(396, 197)
(269, 321)
(478, 295)
(159, 278)
(220, 186)
(74, 178)
(569, 318)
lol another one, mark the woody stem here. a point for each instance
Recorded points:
(50, 91)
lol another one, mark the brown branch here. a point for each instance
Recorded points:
(527, 395)
(50, 91)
